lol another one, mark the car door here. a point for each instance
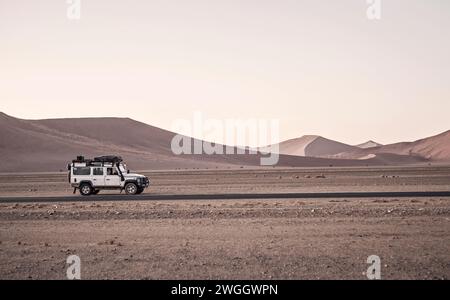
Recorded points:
(98, 176)
(112, 177)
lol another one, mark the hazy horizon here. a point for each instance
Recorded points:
(321, 67)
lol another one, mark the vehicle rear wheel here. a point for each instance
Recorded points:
(131, 189)
(85, 189)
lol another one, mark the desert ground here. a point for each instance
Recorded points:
(232, 239)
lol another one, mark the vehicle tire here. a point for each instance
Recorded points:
(131, 188)
(85, 189)
(139, 191)
(95, 192)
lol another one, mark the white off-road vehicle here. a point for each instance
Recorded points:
(104, 173)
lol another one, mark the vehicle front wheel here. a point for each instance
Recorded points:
(131, 189)
(85, 189)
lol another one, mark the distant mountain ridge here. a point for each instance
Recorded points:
(48, 145)
(435, 148)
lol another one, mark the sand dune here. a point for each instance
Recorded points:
(313, 146)
(47, 145)
(435, 148)
(369, 144)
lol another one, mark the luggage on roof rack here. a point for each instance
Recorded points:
(100, 159)
(81, 159)
(108, 158)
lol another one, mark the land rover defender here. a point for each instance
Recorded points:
(90, 176)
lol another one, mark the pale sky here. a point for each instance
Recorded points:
(320, 66)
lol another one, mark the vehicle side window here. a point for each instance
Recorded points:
(81, 171)
(98, 171)
(111, 171)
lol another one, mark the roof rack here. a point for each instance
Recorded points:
(108, 158)
(114, 159)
